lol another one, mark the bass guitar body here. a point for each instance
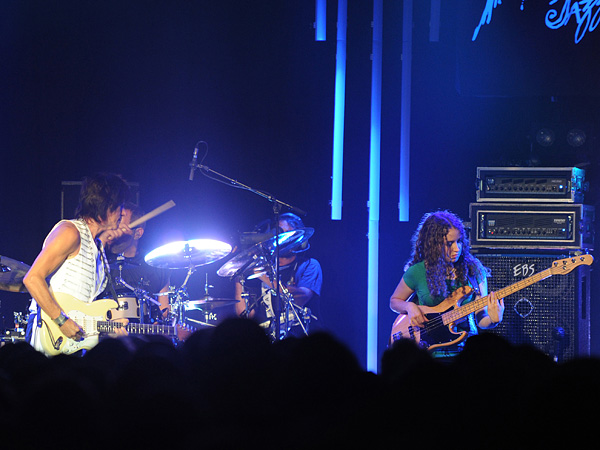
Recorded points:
(435, 333)
(440, 329)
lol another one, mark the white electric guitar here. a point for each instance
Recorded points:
(93, 318)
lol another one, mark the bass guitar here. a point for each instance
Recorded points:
(440, 328)
(93, 319)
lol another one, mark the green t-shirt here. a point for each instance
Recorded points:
(416, 279)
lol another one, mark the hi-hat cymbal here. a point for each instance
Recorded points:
(209, 303)
(186, 254)
(121, 262)
(259, 254)
(12, 273)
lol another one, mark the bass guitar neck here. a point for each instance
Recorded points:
(440, 329)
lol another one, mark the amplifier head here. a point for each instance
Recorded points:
(531, 184)
(515, 225)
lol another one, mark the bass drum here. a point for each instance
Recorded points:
(129, 307)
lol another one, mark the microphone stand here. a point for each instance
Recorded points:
(277, 204)
(237, 184)
(276, 304)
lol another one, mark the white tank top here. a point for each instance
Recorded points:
(82, 276)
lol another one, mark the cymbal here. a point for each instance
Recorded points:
(296, 245)
(186, 254)
(209, 303)
(199, 322)
(259, 254)
(12, 273)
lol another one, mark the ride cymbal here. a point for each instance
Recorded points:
(186, 254)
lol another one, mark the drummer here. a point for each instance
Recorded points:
(127, 264)
(299, 274)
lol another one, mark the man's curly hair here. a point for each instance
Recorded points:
(428, 244)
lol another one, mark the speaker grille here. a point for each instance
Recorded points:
(552, 315)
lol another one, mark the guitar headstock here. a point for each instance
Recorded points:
(566, 265)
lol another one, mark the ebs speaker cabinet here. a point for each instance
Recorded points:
(553, 314)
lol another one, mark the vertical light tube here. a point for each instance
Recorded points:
(320, 20)
(338, 112)
(434, 20)
(374, 189)
(403, 203)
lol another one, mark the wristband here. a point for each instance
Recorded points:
(61, 319)
(492, 323)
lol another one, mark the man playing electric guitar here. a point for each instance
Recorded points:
(71, 256)
(441, 272)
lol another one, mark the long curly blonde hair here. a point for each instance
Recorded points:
(428, 245)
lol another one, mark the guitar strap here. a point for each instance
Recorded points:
(474, 284)
(107, 271)
(476, 291)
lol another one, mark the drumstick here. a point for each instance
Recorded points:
(155, 212)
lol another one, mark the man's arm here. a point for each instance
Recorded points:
(62, 243)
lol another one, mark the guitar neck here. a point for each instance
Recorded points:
(463, 311)
(136, 328)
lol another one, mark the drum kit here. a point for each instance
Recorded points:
(189, 255)
(259, 259)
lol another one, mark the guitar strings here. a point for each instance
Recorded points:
(480, 302)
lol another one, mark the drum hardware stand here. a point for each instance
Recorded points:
(245, 296)
(206, 296)
(139, 293)
(206, 285)
(277, 204)
(181, 298)
(276, 304)
(290, 305)
(288, 301)
(178, 305)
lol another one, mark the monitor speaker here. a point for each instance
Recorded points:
(553, 314)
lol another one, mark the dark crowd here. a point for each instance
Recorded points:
(230, 387)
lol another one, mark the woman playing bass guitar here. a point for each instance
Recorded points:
(441, 274)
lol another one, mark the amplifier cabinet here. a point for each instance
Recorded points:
(531, 184)
(552, 315)
(531, 226)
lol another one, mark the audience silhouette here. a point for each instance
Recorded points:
(230, 387)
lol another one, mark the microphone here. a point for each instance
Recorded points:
(193, 163)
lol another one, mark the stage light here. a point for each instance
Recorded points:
(338, 112)
(374, 189)
(576, 137)
(405, 112)
(545, 137)
(320, 20)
